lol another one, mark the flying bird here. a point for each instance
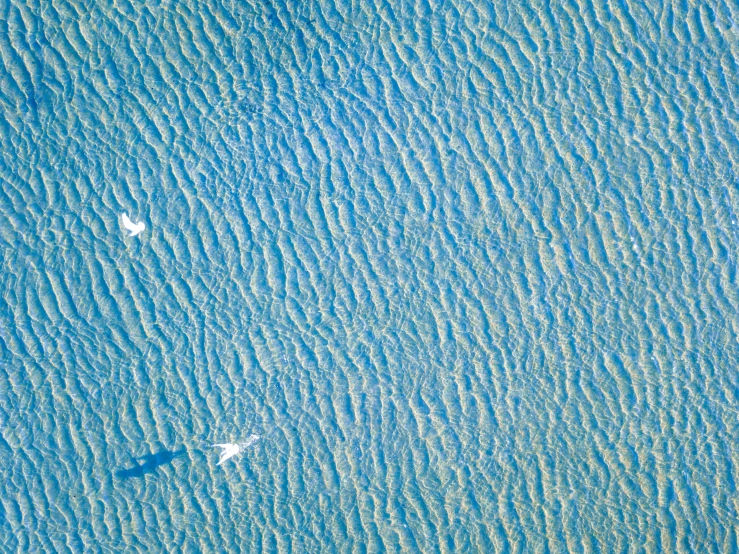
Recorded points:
(134, 228)
(230, 450)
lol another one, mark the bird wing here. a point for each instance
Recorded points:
(127, 223)
(251, 440)
(224, 446)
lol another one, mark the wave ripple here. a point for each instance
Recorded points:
(468, 269)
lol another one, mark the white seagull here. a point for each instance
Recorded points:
(230, 450)
(134, 228)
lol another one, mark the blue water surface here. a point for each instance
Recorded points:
(469, 270)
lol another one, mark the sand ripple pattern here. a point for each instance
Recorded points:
(468, 268)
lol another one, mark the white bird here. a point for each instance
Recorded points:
(230, 450)
(134, 228)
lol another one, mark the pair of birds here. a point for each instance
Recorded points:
(230, 450)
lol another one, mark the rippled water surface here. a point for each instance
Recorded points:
(469, 270)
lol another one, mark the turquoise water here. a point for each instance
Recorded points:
(468, 269)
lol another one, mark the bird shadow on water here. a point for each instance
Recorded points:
(149, 464)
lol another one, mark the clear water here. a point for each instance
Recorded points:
(467, 268)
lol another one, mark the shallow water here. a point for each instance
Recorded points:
(469, 270)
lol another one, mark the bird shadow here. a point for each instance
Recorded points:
(149, 463)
